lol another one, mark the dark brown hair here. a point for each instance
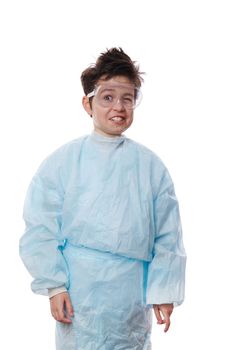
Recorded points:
(111, 63)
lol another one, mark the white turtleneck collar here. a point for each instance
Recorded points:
(102, 138)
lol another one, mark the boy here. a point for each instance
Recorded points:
(103, 236)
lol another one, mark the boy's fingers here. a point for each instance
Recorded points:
(61, 317)
(166, 314)
(69, 307)
(70, 310)
(167, 324)
(158, 315)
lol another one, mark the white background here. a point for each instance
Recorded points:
(186, 49)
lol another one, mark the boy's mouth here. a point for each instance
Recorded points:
(117, 119)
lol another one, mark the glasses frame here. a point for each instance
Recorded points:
(137, 99)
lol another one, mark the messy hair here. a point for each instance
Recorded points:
(113, 62)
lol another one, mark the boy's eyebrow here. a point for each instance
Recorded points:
(114, 89)
(107, 89)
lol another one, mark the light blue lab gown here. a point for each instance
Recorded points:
(103, 220)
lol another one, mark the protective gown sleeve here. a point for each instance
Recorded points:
(41, 245)
(166, 271)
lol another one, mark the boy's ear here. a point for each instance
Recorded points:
(86, 105)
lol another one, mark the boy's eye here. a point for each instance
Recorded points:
(128, 99)
(108, 98)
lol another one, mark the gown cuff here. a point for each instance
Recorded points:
(54, 291)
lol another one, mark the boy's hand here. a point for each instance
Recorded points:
(164, 310)
(61, 307)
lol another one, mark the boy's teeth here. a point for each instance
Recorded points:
(117, 118)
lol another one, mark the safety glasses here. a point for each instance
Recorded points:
(108, 95)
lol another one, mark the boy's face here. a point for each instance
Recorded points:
(109, 107)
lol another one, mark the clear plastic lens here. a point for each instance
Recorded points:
(108, 95)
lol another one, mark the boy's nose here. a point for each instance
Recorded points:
(119, 105)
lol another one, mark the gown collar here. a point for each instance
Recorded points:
(106, 139)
